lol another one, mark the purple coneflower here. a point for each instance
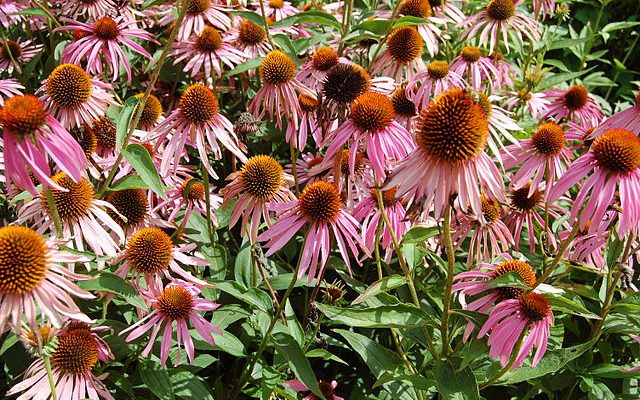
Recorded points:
(207, 52)
(177, 302)
(9, 88)
(326, 388)
(445, 9)
(402, 58)
(315, 70)
(13, 54)
(406, 112)
(93, 9)
(103, 40)
(189, 195)
(279, 9)
(510, 319)
(613, 162)
(385, 140)
(197, 122)
(34, 279)
(319, 206)
(73, 97)
(200, 13)
(470, 63)
(500, 124)
(306, 168)
(31, 137)
(449, 158)
(536, 103)
(435, 79)
(250, 39)
(308, 124)
(260, 182)
(573, 104)
(495, 21)
(428, 30)
(628, 119)
(544, 7)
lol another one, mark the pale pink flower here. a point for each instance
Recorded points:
(326, 388)
(8, 10)
(402, 58)
(628, 119)
(573, 104)
(321, 208)
(20, 52)
(496, 20)
(449, 159)
(544, 8)
(298, 133)
(371, 125)
(612, 165)
(77, 352)
(9, 88)
(312, 73)
(200, 13)
(447, 11)
(536, 103)
(433, 80)
(198, 123)
(510, 319)
(104, 352)
(279, 9)
(501, 125)
(103, 41)
(188, 195)
(305, 168)
(177, 302)
(74, 98)
(35, 280)
(476, 68)
(92, 9)
(250, 38)
(31, 138)
(588, 247)
(207, 53)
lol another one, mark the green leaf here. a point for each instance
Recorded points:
(567, 43)
(251, 16)
(252, 296)
(383, 285)
(245, 66)
(561, 303)
(188, 386)
(395, 316)
(511, 280)
(8, 343)
(419, 234)
(313, 16)
(124, 119)
(409, 20)
(550, 363)
(559, 78)
(611, 371)
(292, 352)
(269, 382)
(377, 26)
(112, 283)
(243, 266)
(32, 12)
(129, 182)
(632, 302)
(455, 384)
(156, 379)
(477, 318)
(141, 161)
(325, 355)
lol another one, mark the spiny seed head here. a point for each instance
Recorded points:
(262, 177)
(617, 150)
(438, 69)
(324, 58)
(576, 97)
(452, 128)
(278, 4)
(192, 190)
(10, 50)
(401, 104)
(69, 86)
(485, 103)
(277, 68)
(23, 260)
(22, 115)
(470, 54)
(308, 103)
(342, 162)
(250, 33)
(501, 10)
(105, 131)
(76, 352)
(415, 8)
(334, 292)
(75, 202)
(175, 302)
(534, 306)
(490, 209)
(150, 250)
(521, 201)
(198, 6)
(151, 112)
(86, 139)
(106, 28)
(198, 104)
(405, 44)
(548, 139)
(521, 268)
(320, 201)
(209, 39)
(130, 203)
(372, 112)
(345, 82)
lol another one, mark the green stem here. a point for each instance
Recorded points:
(52, 384)
(265, 22)
(53, 210)
(294, 166)
(382, 41)
(140, 108)
(448, 243)
(594, 32)
(376, 249)
(207, 200)
(346, 22)
(46, 10)
(556, 260)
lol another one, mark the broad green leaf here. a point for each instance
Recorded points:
(324, 354)
(124, 120)
(156, 379)
(511, 280)
(226, 342)
(251, 16)
(455, 384)
(292, 352)
(611, 371)
(560, 78)
(252, 296)
(243, 266)
(112, 283)
(377, 26)
(188, 386)
(632, 301)
(129, 182)
(567, 43)
(32, 12)
(561, 303)
(551, 362)
(313, 16)
(409, 20)
(10, 340)
(269, 382)
(253, 63)
(141, 161)
(383, 285)
(419, 234)
(477, 318)
(395, 316)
